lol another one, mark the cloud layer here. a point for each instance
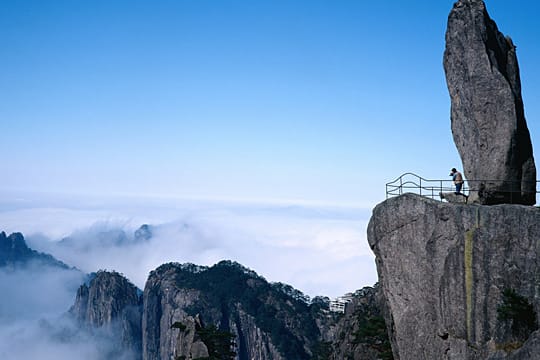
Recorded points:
(33, 324)
(321, 250)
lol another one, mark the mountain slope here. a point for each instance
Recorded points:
(14, 253)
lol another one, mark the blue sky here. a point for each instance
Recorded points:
(246, 104)
(312, 101)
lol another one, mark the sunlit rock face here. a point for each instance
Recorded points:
(488, 120)
(443, 270)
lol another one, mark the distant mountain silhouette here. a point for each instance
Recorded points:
(106, 238)
(14, 253)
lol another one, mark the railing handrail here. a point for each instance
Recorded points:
(429, 187)
(409, 173)
(483, 180)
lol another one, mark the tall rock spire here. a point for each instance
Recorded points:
(488, 121)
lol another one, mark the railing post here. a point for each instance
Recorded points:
(515, 192)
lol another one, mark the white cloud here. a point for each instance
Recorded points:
(319, 250)
(33, 305)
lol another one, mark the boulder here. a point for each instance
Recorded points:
(454, 198)
(487, 114)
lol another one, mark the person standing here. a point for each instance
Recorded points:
(457, 178)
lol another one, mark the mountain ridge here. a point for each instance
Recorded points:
(15, 253)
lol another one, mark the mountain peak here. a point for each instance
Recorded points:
(14, 252)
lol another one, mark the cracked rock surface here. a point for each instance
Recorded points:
(443, 268)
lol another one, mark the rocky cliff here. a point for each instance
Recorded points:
(111, 305)
(488, 119)
(265, 322)
(460, 281)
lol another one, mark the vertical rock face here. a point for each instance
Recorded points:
(444, 270)
(488, 121)
(164, 305)
(267, 323)
(111, 304)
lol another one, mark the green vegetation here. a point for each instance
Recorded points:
(178, 325)
(290, 291)
(320, 303)
(322, 351)
(517, 312)
(220, 344)
(372, 332)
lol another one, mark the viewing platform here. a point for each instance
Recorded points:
(412, 183)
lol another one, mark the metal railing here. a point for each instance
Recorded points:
(412, 183)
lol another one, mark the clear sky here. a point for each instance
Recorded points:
(308, 100)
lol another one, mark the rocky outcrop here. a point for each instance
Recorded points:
(446, 271)
(266, 322)
(188, 343)
(111, 304)
(164, 305)
(488, 121)
(256, 343)
(14, 253)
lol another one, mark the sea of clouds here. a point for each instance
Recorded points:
(318, 249)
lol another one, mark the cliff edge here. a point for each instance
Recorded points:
(460, 281)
